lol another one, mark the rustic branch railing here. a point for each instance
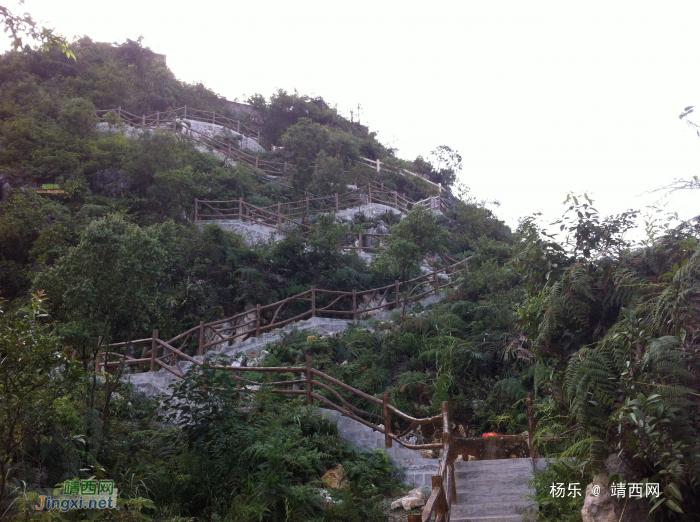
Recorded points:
(297, 212)
(176, 120)
(163, 118)
(314, 302)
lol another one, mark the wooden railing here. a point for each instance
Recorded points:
(164, 118)
(314, 302)
(297, 212)
(173, 120)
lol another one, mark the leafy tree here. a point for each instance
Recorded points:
(34, 374)
(19, 25)
(417, 236)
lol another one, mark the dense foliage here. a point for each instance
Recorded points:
(604, 332)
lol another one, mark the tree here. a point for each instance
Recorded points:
(418, 235)
(446, 164)
(19, 25)
(33, 375)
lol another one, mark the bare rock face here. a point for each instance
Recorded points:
(604, 508)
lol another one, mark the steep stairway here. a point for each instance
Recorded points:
(416, 469)
(494, 491)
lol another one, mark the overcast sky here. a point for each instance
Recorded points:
(539, 97)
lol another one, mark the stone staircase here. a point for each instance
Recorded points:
(494, 491)
(416, 469)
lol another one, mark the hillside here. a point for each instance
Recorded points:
(603, 332)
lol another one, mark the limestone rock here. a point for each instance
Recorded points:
(604, 508)
(335, 478)
(459, 458)
(412, 502)
(471, 458)
(427, 454)
(415, 498)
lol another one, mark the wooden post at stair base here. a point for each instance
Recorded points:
(196, 206)
(446, 426)
(257, 320)
(313, 301)
(447, 442)
(530, 424)
(200, 350)
(354, 304)
(309, 378)
(441, 502)
(387, 420)
(154, 349)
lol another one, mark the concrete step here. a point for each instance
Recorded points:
(515, 518)
(503, 476)
(504, 495)
(492, 509)
(494, 464)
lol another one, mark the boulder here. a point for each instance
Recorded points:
(415, 498)
(605, 508)
(335, 478)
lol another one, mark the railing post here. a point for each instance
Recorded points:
(143, 119)
(119, 111)
(196, 207)
(396, 200)
(313, 301)
(307, 207)
(530, 424)
(396, 290)
(213, 117)
(257, 321)
(238, 127)
(437, 284)
(359, 243)
(200, 350)
(354, 304)
(446, 427)
(379, 165)
(285, 167)
(240, 209)
(256, 161)
(387, 420)
(258, 137)
(336, 202)
(309, 378)
(185, 116)
(154, 349)
(279, 213)
(229, 149)
(158, 119)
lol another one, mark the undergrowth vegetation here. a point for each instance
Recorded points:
(603, 331)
